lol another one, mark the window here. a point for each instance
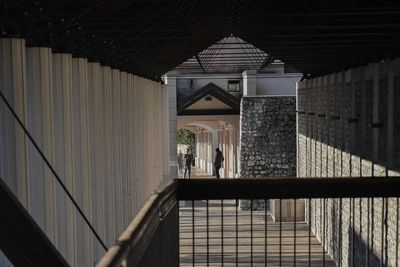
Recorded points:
(233, 86)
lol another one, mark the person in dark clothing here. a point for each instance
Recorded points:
(219, 158)
(188, 163)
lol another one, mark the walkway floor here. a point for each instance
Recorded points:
(196, 173)
(234, 241)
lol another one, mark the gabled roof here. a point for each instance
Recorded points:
(231, 103)
(229, 55)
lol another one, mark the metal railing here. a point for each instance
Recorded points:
(225, 222)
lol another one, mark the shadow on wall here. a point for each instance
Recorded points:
(363, 254)
(350, 116)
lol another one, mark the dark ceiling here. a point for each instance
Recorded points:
(151, 37)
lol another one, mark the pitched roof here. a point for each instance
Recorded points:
(210, 90)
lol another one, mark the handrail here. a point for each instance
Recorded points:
(270, 188)
(135, 239)
(133, 243)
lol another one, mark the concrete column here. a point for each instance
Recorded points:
(135, 163)
(140, 135)
(249, 83)
(130, 149)
(166, 133)
(39, 123)
(81, 157)
(13, 140)
(124, 153)
(116, 149)
(109, 182)
(171, 88)
(145, 109)
(97, 162)
(63, 154)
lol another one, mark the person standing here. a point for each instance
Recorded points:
(188, 163)
(219, 158)
(180, 161)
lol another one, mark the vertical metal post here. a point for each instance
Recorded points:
(382, 232)
(265, 233)
(208, 238)
(294, 234)
(397, 232)
(251, 232)
(237, 233)
(323, 232)
(193, 236)
(309, 232)
(340, 232)
(367, 249)
(280, 232)
(352, 233)
(361, 214)
(222, 232)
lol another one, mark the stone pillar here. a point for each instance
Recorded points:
(249, 83)
(171, 88)
(13, 139)
(63, 154)
(39, 123)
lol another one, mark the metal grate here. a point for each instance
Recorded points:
(245, 233)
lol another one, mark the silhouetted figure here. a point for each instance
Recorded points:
(180, 161)
(188, 163)
(219, 158)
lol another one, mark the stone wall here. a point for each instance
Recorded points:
(348, 125)
(267, 138)
(268, 141)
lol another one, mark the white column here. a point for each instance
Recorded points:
(214, 139)
(63, 153)
(171, 87)
(249, 83)
(39, 123)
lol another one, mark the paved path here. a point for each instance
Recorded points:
(197, 173)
